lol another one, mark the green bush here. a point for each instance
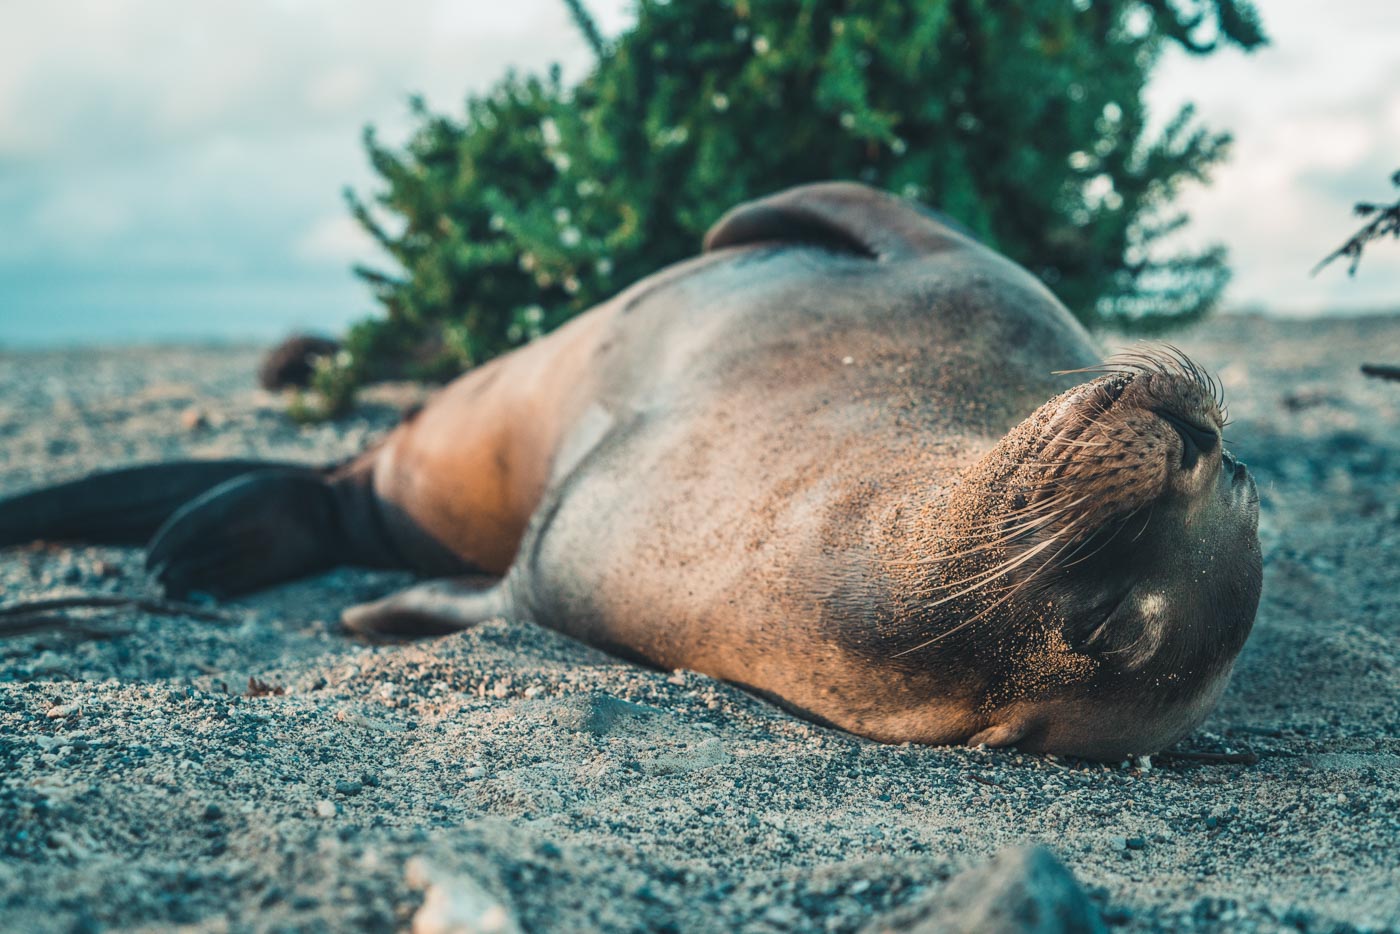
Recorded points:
(1024, 119)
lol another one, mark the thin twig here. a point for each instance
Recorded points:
(85, 601)
(586, 25)
(24, 625)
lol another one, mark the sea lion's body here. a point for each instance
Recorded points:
(745, 464)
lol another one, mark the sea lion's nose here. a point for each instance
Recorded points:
(1235, 469)
(1197, 441)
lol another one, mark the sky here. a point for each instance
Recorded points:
(172, 170)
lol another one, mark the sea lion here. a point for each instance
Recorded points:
(816, 461)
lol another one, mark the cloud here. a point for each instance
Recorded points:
(1316, 121)
(156, 151)
(337, 238)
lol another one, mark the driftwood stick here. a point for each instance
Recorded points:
(1381, 371)
(45, 607)
(24, 625)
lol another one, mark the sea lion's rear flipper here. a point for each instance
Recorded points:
(433, 608)
(841, 216)
(251, 532)
(117, 507)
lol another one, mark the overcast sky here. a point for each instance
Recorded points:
(172, 169)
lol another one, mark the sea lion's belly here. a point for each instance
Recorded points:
(768, 419)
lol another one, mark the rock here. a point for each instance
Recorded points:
(598, 714)
(46, 662)
(325, 808)
(292, 362)
(691, 758)
(60, 711)
(1021, 890)
(782, 916)
(454, 903)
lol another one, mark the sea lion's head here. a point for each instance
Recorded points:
(1106, 554)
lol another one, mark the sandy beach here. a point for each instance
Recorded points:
(261, 771)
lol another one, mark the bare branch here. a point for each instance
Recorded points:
(1380, 371)
(1384, 222)
(32, 608)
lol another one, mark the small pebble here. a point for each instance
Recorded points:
(474, 772)
(782, 916)
(348, 788)
(193, 418)
(325, 808)
(59, 711)
(213, 812)
(1117, 915)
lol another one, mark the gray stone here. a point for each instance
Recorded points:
(599, 714)
(1025, 890)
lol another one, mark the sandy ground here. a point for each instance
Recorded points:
(142, 787)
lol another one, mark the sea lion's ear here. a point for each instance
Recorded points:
(842, 216)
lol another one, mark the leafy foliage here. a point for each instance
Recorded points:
(1024, 119)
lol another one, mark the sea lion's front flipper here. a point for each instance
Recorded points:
(1006, 733)
(116, 507)
(841, 216)
(433, 608)
(251, 532)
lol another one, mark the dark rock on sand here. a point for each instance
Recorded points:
(1025, 890)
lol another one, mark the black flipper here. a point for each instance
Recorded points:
(119, 507)
(251, 532)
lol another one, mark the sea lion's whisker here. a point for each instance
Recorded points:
(1120, 526)
(1145, 524)
(1001, 542)
(1035, 514)
(1061, 496)
(997, 571)
(1011, 592)
(1076, 443)
(1068, 534)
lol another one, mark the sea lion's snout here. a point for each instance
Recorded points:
(1114, 523)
